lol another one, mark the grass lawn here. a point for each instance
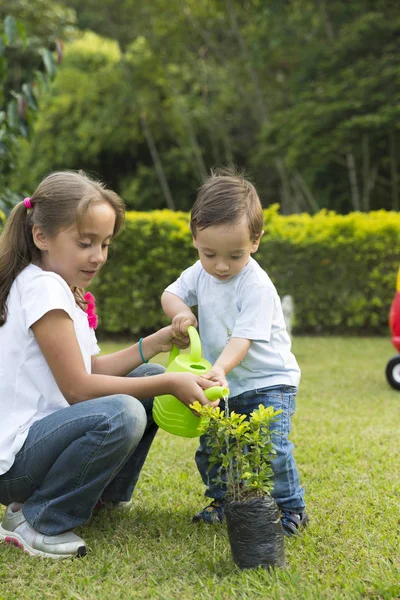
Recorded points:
(347, 437)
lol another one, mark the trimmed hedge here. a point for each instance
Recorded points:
(149, 254)
(340, 269)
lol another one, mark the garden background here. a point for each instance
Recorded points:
(305, 94)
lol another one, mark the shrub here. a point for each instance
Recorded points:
(340, 269)
(150, 253)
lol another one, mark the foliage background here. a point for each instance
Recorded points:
(340, 269)
(149, 96)
(304, 93)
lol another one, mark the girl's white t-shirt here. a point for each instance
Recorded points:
(28, 390)
(246, 306)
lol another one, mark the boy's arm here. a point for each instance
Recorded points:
(181, 315)
(234, 352)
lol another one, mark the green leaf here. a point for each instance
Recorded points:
(49, 62)
(43, 80)
(10, 28)
(23, 130)
(22, 33)
(29, 96)
(12, 115)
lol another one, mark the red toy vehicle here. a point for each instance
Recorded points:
(393, 366)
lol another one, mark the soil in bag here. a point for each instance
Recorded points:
(255, 533)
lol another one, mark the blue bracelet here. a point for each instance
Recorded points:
(141, 351)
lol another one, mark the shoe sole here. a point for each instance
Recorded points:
(298, 532)
(215, 521)
(13, 539)
(119, 506)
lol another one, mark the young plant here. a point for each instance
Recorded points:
(243, 449)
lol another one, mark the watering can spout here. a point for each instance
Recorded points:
(216, 392)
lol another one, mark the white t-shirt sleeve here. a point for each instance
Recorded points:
(43, 294)
(257, 307)
(95, 348)
(185, 287)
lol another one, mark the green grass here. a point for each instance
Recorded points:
(346, 432)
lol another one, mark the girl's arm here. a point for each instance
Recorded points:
(234, 352)
(123, 362)
(181, 315)
(56, 337)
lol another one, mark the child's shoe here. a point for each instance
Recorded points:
(112, 504)
(16, 530)
(292, 522)
(213, 513)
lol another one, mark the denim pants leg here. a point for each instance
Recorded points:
(71, 456)
(287, 490)
(122, 486)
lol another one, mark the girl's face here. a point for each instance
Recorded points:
(78, 255)
(224, 250)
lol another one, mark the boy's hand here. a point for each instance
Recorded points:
(181, 322)
(217, 376)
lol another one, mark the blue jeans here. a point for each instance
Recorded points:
(287, 491)
(79, 454)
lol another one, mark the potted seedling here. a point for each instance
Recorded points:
(244, 449)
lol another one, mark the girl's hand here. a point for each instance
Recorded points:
(181, 322)
(217, 376)
(188, 388)
(165, 338)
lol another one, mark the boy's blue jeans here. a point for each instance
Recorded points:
(287, 490)
(79, 454)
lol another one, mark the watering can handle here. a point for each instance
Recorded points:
(195, 346)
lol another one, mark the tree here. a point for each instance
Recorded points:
(27, 66)
(342, 126)
(300, 92)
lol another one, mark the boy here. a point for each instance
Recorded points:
(242, 330)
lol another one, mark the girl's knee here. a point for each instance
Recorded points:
(126, 418)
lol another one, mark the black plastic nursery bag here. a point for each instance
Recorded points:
(255, 533)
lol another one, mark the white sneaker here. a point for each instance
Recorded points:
(16, 530)
(111, 504)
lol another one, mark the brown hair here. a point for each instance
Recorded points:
(225, 198)
(60, 200)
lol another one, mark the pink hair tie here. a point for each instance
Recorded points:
(28, 203)
(91, 310)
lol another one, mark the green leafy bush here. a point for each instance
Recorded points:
(340, 270)
(243, 448)
(150, 253)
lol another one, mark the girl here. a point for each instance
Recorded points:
(73, 429)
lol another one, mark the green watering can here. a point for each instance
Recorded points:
(168, 412)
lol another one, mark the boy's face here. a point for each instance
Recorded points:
(224, 250)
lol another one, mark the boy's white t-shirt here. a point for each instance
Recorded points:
(28, 390)
(246, 306)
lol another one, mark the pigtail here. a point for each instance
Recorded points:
(16, 252)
